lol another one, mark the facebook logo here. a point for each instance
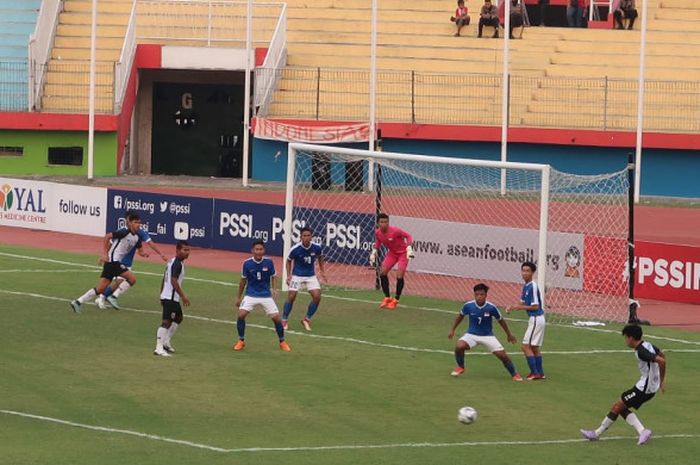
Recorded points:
(118, 202)
(181, 231)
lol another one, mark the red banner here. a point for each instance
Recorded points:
(667, 272)
(326, 134)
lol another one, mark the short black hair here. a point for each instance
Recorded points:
(481, 287)
(181, 244)
(382, 216)
(131, 216)
(258, 242)
(530, 265)
(304, 229)
(633, 331)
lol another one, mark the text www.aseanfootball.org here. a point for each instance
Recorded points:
(480, 252)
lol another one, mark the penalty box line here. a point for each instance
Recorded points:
(414, 445)
(348, 299)
(340, 338)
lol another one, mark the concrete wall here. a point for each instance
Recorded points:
(671, 173)
(36, 145)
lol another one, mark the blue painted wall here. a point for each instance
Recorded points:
(673, 173)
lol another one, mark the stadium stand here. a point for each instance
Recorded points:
(17, 22)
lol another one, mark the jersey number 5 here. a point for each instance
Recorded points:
(259, 276)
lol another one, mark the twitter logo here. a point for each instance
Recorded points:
(163, 206)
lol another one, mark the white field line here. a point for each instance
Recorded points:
(350, 340)
(414, 445)
(68, 270)
(350, 299)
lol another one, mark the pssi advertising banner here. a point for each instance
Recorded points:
(166, 218)
(52, 206)
(667, 272)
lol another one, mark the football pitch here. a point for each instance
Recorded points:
(367, 386)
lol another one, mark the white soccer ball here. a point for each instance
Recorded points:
(467, 415)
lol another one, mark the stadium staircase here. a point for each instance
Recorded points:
(17, 22)
(557, 69)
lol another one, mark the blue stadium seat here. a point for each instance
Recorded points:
(17, 21)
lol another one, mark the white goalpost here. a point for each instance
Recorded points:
(464, 229)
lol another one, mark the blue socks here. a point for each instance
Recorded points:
(108, 291)
(460, 360)
(287, 310)
(538, 364)
(510, 367)
(532, 364)
(311, 310)
(240, 325)
(280, 330)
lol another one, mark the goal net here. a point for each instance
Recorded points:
(472, 221)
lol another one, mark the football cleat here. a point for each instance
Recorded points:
(392, 304)
(285, 324)
(161, 353)
(75, 305)
(100, 302)
(284, 346)
(113, 302)
(517, 377)
(538, 377)
(168, 348)
(590, 435)
(457, 371)
(306, 323)
(644, 436)
(385, 302)
(240, 345)
(530, 376)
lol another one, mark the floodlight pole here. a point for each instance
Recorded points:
(91, 104)
(246, 97)
(640, 104)
(506, 93)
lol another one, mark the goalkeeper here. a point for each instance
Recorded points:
(398, 244)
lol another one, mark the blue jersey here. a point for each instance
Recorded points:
(304, 259)
(258, 275)
(481, 318)
(128, 259)
(531, 296)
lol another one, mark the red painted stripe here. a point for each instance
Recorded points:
(55, 122)
(149, 56)
(575, 137)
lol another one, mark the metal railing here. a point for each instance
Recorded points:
(40, 44)
(275, 59)
(474, 99)
(122, 70)
(13, 86)
(205, 22)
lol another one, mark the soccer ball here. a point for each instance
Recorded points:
(467, 415)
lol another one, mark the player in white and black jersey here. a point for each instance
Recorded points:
(171, 295)
(117, 245)
(652, 367)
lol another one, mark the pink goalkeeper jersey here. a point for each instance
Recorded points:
(395, 240)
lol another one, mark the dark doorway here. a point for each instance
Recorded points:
(197, 129)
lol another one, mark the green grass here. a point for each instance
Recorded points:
(97, 369)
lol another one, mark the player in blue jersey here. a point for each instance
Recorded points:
(301, 274)
(481, 313)
(259, 283)
(531, 302)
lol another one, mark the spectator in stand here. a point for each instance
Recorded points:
(544, 7)
(516, 17)
(489, 17)
(625, 9)
(574, 13)
(461, 18)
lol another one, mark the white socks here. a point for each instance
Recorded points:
(604, 426)
(87, 297)
(161, 338)
(171, 332)
(634, 422)
(123, 287)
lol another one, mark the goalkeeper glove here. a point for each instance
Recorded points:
(373, 257)
(409, 253)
